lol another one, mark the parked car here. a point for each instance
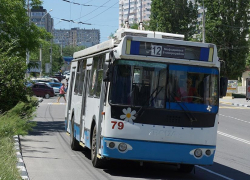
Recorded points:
(56, 86)
(66, 72)
(41, 89)
(67, 76)
(59, 76)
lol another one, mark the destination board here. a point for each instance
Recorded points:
(169, 51)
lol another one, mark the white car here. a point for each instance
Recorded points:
(67, 76)
(56, 89)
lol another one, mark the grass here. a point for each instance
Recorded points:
(8, 159)
(17, 121)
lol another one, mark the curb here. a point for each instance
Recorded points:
(20, 163)
(243, 105)
(234, 104)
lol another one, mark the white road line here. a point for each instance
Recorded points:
(225, 177)
(235, 118)
(233, 137)
(57, 103)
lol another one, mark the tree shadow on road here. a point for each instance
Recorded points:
(47, 127)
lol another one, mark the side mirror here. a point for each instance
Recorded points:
(223, 86)
(109, 73)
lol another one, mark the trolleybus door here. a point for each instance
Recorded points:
(72, 78)
(85, 85)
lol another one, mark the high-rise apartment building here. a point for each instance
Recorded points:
(139, 11)
(76, 37)
(37, 16)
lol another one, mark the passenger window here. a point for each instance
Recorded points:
(76, 88)
(96, 76)
(82, 75)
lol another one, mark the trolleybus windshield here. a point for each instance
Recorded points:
(160, 85)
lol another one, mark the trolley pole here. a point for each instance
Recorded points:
(203, 23)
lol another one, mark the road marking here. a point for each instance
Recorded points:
(226, 103)
(57, 103)
(232, 107)
(233, 137)
(214, 173)
(235, 118)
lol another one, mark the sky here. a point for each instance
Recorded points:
(101, 14)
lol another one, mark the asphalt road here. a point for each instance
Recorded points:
(47, 154)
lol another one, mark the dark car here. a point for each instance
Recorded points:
(59, 76)
(43, 90)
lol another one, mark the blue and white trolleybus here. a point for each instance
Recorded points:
(145, 96)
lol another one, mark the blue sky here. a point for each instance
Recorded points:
(102, 14)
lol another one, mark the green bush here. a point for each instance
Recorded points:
(12, 82)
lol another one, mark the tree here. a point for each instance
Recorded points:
(174, 16)
(12, 84)
(69, 50)
(227, 26)
(57, 60)
(15, 25)
(17, 35)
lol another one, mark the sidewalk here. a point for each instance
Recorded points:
(235, 102)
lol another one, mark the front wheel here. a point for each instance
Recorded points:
(95, 161)
(47, 96)
(185, 168)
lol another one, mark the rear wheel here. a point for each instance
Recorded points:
(185, 168)
(95, 161)
(74, 144)
(47, 96)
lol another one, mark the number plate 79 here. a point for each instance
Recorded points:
(118, 125)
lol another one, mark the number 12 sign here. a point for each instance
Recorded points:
(156, 50)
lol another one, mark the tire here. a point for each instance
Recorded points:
(47, 96)
(98, 163)
(185, 168)
(74, 144)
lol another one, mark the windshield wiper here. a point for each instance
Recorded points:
(149, 99)
(187, 112)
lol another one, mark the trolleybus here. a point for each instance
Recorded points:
(145, 96)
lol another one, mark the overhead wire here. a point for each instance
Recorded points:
(93, 10)
(79, 22)
(85, 4)
(102, 12)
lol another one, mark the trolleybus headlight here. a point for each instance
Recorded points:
(198, 152)
(208, 152)
(111, 144)
(122, 147)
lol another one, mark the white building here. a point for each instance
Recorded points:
(76, 37)
(140, 10)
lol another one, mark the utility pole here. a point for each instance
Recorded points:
(203, 23)
(41, 62)
(27, 50)
(51, 58)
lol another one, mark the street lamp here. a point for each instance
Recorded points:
(45, 15)
(40, 57)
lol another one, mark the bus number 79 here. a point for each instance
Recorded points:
(120, 125)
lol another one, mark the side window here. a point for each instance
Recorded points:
(99, 75)
(42, 86)
(93, 77)
(96, 76)
(76, 88)
(83, 70)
